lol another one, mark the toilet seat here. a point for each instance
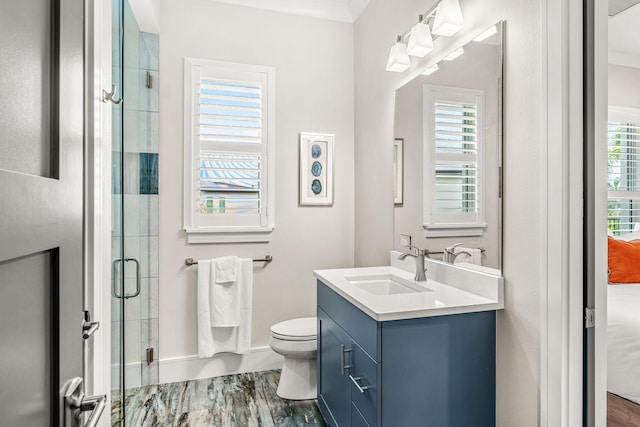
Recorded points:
(303, 329)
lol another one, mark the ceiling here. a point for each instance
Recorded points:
(624, 37)
(335, 10)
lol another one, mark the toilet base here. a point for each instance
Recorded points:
(298, 380)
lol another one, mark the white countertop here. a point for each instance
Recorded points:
(444, 298)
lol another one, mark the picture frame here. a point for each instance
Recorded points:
(398, 171)
(316, 169)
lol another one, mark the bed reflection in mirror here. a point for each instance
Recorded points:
(451, 123)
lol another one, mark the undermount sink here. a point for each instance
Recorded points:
(385, 284)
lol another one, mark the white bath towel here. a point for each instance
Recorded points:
(225, 295)
(233, 339)
(475, 256)
(226, 269)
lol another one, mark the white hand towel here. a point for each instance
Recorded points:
(225, 296)
(475, 258)
(226, 269)
(205, 338)
(237, 339)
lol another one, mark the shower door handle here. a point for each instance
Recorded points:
(138, 286)
(116, 277)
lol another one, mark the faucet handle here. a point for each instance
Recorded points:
(452, 247)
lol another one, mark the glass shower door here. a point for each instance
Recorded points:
(134, 281)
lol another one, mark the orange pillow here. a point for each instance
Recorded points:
(624, 261)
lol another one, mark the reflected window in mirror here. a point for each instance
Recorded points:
(453, 204)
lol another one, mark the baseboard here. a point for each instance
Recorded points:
(187, 368)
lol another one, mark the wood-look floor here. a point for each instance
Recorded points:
(243, 400)
(622, 412)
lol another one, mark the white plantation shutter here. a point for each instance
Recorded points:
(230, 124)
(453, 161)
(623, 171)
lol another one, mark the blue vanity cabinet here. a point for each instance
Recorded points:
(431, 371)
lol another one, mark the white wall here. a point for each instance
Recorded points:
(624, 86)
(314, 92)
(518, 345)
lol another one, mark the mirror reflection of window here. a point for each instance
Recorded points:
(455, 164)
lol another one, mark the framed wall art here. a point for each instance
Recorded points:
(316, 169)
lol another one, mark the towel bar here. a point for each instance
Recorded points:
(190, 261)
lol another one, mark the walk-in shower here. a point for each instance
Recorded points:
(134, 209)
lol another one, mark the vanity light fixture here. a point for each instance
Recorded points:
(485, 35)
(443, 19)
(420, 40)
(398, 57)
(453, 55)
(448, 20)
(431, 70)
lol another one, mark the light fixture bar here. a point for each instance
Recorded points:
(431, 70)
(453, 55)
(485, 35)
(426, 18)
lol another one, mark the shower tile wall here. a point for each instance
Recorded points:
(137, 136)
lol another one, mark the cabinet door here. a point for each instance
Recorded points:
(363, 376)
(334, 350)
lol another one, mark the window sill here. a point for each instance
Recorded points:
(229, 235)
(454, 230)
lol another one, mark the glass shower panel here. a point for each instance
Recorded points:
(134, 210)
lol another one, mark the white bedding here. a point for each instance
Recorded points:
(623, 341)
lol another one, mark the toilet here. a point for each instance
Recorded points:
(296, 340)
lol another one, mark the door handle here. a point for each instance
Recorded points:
(75, 403)
(96, 405)
(361, 389)
(116, 277)
(138, 286)
(343, 350)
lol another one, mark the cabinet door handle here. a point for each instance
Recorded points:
(343, 350)
(355, 380)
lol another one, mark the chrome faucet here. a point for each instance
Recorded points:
(419, 258)
(450, 253)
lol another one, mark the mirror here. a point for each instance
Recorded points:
(448, 154)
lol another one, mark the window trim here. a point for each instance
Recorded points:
(458, 227)
(225, 233)
(629, 115)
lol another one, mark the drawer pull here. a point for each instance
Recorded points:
(355, 380)
(343, 350)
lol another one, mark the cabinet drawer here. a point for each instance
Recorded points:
(363, 376)
(362, 328)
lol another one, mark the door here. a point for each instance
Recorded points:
(334, 356)
(41, 210)
(134, 209)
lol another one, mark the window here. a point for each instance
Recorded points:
(453, 197)
(229, 152)
(623, 170)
